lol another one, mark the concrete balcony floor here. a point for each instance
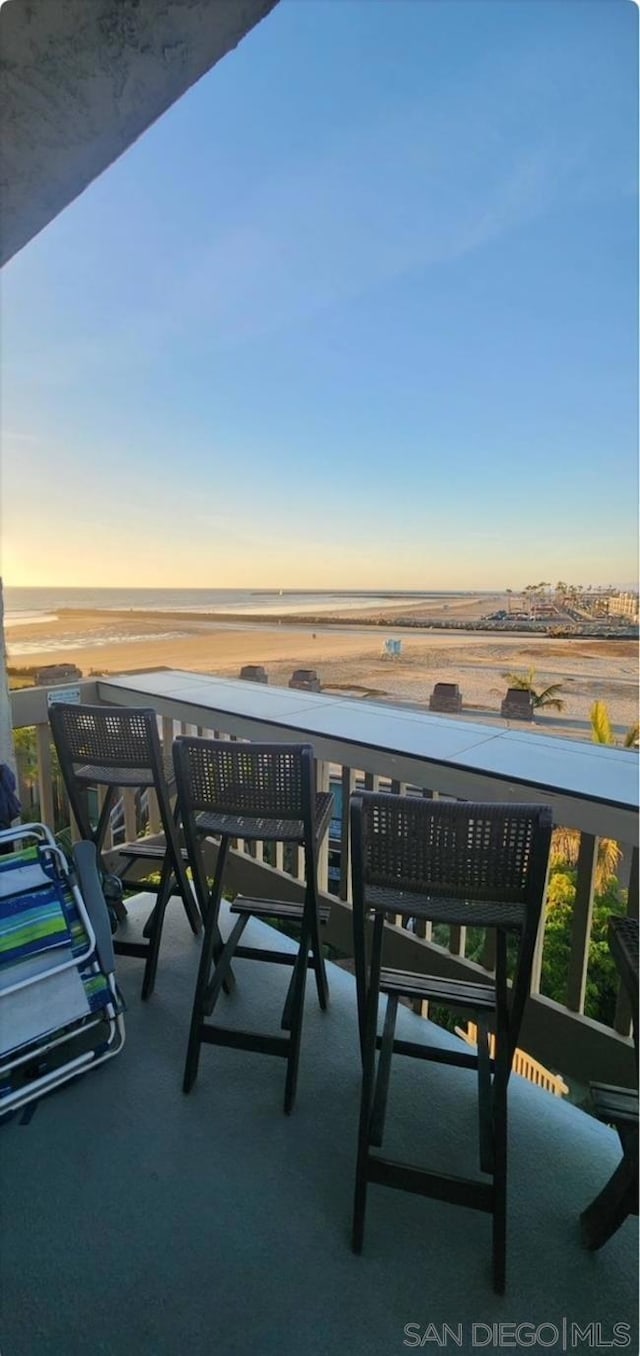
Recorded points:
(137, 1220)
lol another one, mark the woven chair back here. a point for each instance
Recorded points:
(264, 781)
(106, 736)
(457, 849)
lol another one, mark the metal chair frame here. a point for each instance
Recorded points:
(116, 748)
(256, 792)
(461, 864)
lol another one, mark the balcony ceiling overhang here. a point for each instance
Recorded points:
(80, 82)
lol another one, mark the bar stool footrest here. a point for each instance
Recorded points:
(457, 992)
(438, 1186)
(122, 948)
(245, 1040)
(275, 908)
(616, 1106)
(147, 851)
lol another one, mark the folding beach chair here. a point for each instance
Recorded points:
(60, 1012)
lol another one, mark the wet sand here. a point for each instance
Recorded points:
(350, 660)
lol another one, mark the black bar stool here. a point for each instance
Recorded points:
(463, 865)
(618, 1107)
(116, 748)
(257, 792)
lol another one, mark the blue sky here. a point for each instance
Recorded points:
(359, 311)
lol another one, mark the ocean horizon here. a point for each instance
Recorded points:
(32, 604)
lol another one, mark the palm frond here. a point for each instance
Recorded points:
(632, 736)
(548, 697)
(565, 844)
(565, 847)
(609, 854)
(601, 732)
(523, 681)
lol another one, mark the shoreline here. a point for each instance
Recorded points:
(349, 657)
(410, 619)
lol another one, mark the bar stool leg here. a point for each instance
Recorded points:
(381, 1091)
(322, 983)
(212, 946)
(368, 1081)
(617, 1200)
(155, 929)
(175, 855)
(360, 965)
(500, 1187)
(300, 971)
(502, 1068)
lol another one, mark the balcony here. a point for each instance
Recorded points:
(137, 1220)
(156, 1222)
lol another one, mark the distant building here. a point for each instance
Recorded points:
(625, 605)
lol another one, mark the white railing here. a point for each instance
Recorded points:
(592, 791)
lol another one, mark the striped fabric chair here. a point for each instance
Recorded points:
(60, 1011)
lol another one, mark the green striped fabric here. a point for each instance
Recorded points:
(31, 924)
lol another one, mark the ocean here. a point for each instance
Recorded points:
(24, 605)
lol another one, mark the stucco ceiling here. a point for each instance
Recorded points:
(81, 79)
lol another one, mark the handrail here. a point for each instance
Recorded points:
(406, 752)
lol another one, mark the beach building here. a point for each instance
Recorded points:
(625, 605)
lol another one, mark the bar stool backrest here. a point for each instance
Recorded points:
(106, 737)
(494, 855)
(457, 849)
(263, 781)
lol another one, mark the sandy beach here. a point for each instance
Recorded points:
(351, 660)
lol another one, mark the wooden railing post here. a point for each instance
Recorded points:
(107, 841)
(130, 816)
(536, 968)
(45, 774)
(581, 922)
(457, 939)
(622, 1019)
(323, 781)
(348, 787)
(168, 735)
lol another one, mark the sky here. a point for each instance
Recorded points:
(359, 311)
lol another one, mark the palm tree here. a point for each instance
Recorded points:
(601, 731)
(525, 682)
(565, 843)
(565, 846)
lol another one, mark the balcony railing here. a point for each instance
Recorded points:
(592, 790)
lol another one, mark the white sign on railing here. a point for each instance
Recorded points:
(69, 695)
